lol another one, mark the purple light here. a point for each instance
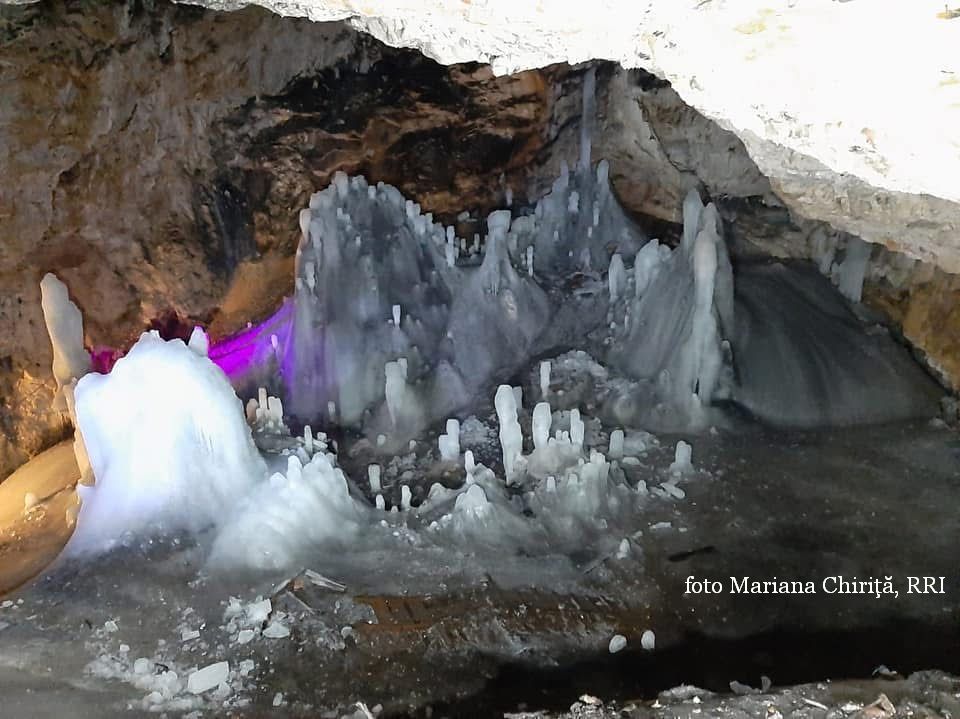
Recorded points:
(254, 347)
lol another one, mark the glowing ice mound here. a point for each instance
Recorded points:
(168, 443)
(289, 516)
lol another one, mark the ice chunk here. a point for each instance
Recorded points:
(142, 666)
(623, 551)
(259, 611)
(405, 497)
(511, 436)
(276, 630)
(208, 678)
(245, 636)
(617, 643)
(648, 640)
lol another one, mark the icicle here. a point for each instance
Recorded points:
(308, 438)
(508, 197)
(396, 315)
(468, 461)
(529, 260)
(849, 274)
(586, 119)
(332, 410)
(381, 504)
(405, 497)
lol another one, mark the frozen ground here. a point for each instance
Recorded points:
(476, 631)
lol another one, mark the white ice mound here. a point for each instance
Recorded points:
(289, 516)
(168, 444)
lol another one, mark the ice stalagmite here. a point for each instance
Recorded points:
(65, 327)
(511, 436)
(674, 338)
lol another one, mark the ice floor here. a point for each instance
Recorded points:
(474, 632)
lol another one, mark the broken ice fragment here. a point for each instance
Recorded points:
(648, 640)
(207, 678)
(276, 630)
(617, 643)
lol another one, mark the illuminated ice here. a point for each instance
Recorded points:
(167, 441)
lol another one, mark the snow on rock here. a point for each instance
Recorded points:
(167, 442)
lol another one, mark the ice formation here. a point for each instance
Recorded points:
(673, 339)
(167, 441)
(511, 436)
(65, 327)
